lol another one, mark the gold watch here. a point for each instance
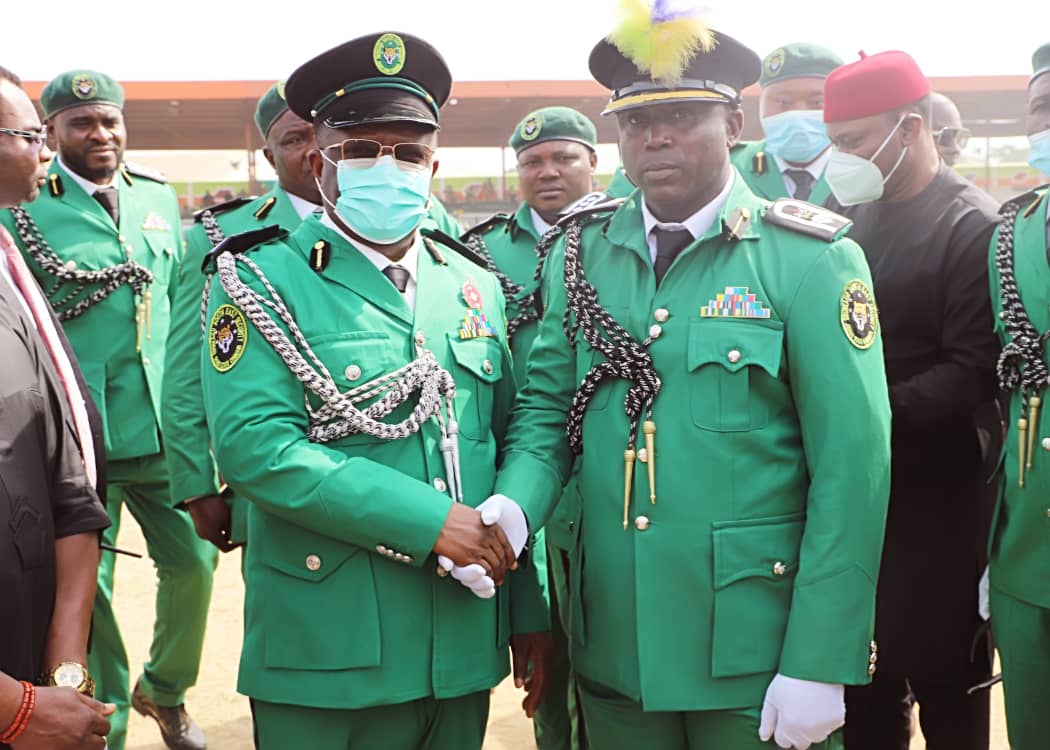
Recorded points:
(72, 674)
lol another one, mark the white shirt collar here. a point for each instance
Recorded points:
(410, 262)
(302, 206)
(815, 168)
(538, 223)
(88, 186)
(697, 224)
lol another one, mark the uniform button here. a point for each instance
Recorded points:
(641, 523)
(1046, 444)
(145, 361)
(381, 549)
(129, 249)
(874, 647)
(655, 331)
(873, 658)
(390, 553)
(421, 338)
(399, 557)
(1048, 512)
(779, 568)
(408, 559)
(439, 484)
(120, 237)
(661, 315)
(71, 265)
(643, 455)
(313, 562)
(871, 669)
(352, 372)
(487, 366)
(168, 251)
(733, 356)
(572, 525)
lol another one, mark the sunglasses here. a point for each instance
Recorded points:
(415, 154)
(36, 138)
(949, 137)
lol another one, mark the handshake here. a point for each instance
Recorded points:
(478, 545)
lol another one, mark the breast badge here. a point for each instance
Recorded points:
(735, 302)
(475, 324)
(859, 316)
(227, 337)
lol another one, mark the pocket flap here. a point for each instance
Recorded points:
(356, 358)
(764, 548)
(300, 553)
(736, 344)
(483, 356)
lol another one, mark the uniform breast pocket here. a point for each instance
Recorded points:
(479, 366)
(164, 248)
(729, 360)
(354, 359)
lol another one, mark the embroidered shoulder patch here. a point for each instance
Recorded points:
(227, 337)
(859, 315)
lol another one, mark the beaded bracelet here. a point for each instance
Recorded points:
(21, 720)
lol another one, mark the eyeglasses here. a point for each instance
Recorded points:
(36, 139)
(949, 137)
(415, 154)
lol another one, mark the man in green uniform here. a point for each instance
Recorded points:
(104, 242)
(221, 519)
(790, 161)
(367, 395)
(724, 398)
(555, 149)
(1020, 545)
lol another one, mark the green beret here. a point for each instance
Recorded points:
(799, 60)
(271, 105)
(76, 87)
(1041, 61)
(553, 124)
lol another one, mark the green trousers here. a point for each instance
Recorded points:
(615, 722)
(1022, 635)
(185, 564)
(557, 721)
(424, 724)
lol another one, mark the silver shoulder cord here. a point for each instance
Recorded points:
(338, 415)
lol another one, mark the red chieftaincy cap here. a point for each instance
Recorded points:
(872, 85)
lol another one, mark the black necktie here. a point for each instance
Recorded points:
(107, 196)
(669, 243)
(803, 182)
(398, 277)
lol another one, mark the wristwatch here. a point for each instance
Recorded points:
(72, 674)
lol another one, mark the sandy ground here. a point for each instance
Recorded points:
(223, 713)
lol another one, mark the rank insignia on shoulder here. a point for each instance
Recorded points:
(54, 185)
(475, 324)
(496, 220)
(140, 171)
(859, 315)
(735, 302)
(227, 337)
(242, 243)
(220, 208)
(264, 210)
(807, 218)
(758, 163)
(156, 223)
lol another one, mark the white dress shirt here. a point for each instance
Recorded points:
(410, 262)
(697, 224)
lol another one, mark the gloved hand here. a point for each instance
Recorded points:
(504, 511)
(984, 607)
(798, 713)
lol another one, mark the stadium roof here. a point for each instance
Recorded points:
(218, 114)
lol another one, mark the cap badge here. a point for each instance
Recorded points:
(775, 62)
(84, 86)
(389, 54)
(530, 129)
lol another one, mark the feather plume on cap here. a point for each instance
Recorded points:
(659, 39)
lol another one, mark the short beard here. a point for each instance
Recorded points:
(98, 175)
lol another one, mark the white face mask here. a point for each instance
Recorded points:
(854, 179)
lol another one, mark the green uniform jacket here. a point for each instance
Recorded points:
(125, 384)
(759, 170)
(619, 185)
(1020, 548)
(188, 446)
(439, 217)
(762, 549)
(330, 621)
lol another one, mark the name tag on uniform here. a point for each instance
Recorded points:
(735, 302)
(155, 222)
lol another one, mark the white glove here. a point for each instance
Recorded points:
(984, 607)
(504, 511)
(798, 713)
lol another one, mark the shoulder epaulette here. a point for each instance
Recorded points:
(1025, 202)
(242, 243)
(591, 199)
(221, 208)
(492, 221)
(807, 218)
(140, 171)
(591, 213)
(436, 235)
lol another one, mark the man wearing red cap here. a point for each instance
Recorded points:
(925, 231)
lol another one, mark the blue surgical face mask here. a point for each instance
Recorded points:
(1039, 151)
(381, 200)
(797, 135)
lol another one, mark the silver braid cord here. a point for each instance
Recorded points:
(338, 415)
(1021, 362)
(215, 236)
(73, 304)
